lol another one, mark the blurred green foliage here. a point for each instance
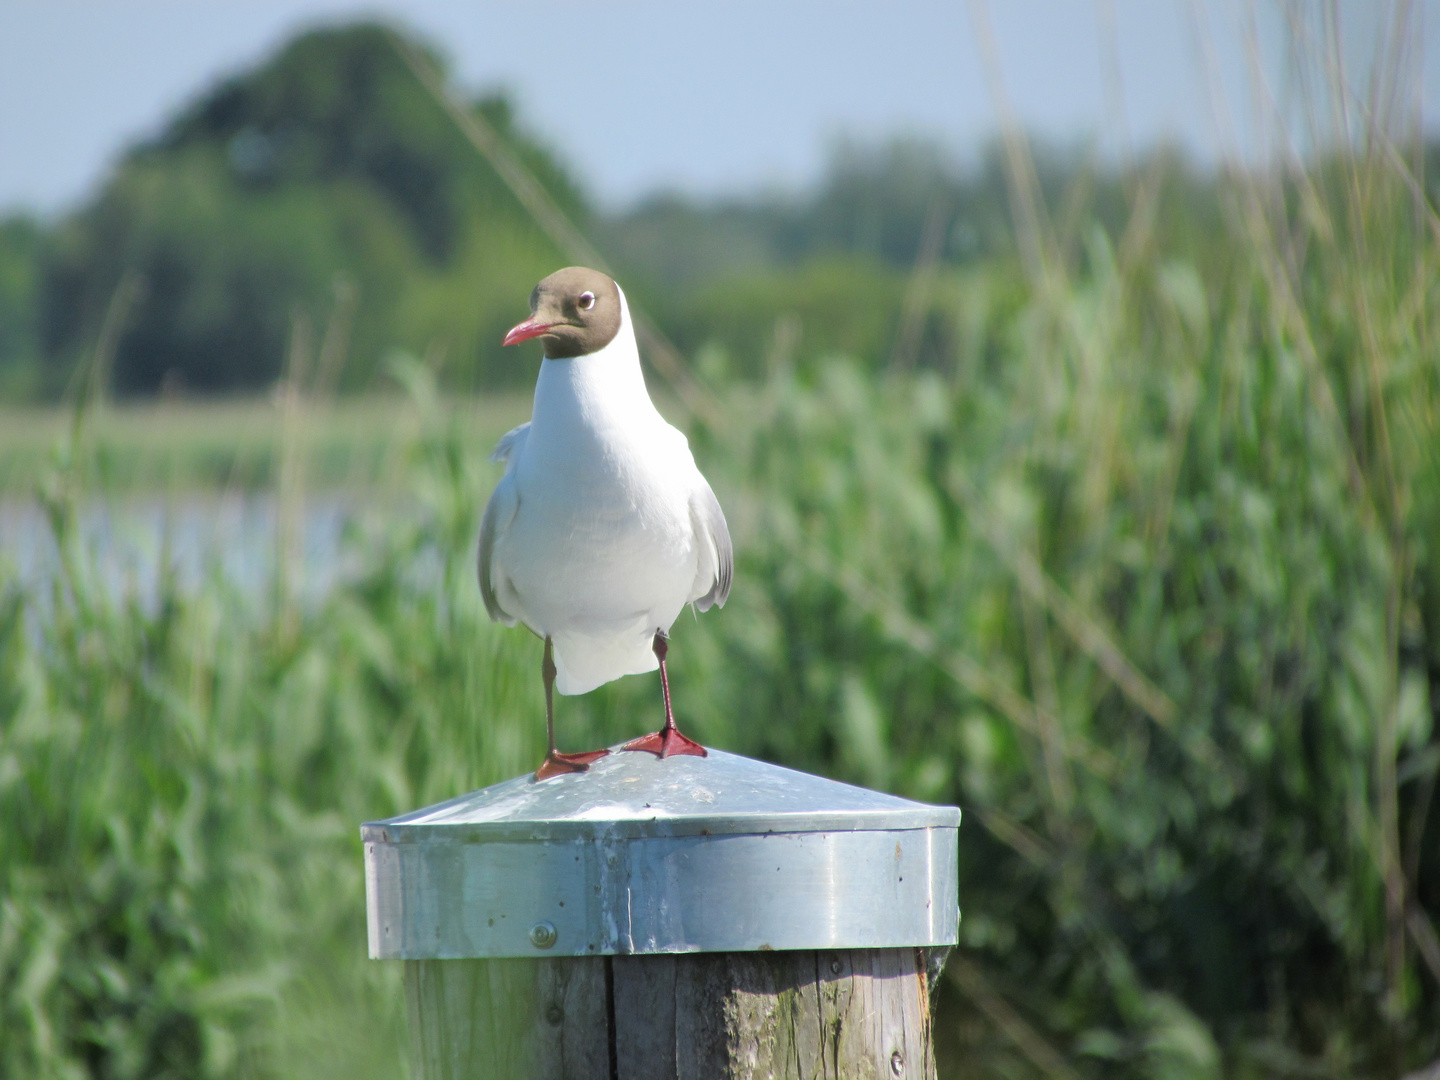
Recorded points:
(184, 774)
(329, 170)
(20, 245)
(329, 179)
(846, 257)
(1144, 580)
(1108, 513)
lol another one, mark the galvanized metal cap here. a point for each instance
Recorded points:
(639, 855)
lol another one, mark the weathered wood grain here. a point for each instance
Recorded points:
(833, 1015)
(540, 1019)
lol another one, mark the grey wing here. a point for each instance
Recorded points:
(714, 535)
(499, 513)
(510, 443)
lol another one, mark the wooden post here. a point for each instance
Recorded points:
(685, 919)
(701, 1016)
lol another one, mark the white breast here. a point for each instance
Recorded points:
(601, 551)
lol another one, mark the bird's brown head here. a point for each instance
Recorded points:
(574, 312)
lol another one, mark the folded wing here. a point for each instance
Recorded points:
(716, 564)
(499, 513)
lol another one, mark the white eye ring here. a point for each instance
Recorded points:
(587, 301)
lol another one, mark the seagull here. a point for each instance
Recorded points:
(602, 528)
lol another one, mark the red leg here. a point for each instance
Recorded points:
(667, 742)
(555, 762)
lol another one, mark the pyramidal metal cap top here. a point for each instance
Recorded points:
(640, 855)
(638, 794)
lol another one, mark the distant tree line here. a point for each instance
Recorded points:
(328, 184)
(327, 175)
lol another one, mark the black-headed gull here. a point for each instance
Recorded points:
(602, 529)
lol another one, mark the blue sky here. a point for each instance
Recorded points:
(703, 98)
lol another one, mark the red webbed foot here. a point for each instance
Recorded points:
(556, 763)
(667, 742)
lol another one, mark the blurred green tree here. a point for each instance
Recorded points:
(328, 171)
(21, 239)
(873, 261)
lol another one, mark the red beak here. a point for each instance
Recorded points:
(526, 330)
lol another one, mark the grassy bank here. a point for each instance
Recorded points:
(151, 446)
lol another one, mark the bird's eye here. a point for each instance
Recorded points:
(587, 301)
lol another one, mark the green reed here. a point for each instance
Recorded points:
(1144, 578)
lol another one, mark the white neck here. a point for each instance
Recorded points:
(601, 390)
